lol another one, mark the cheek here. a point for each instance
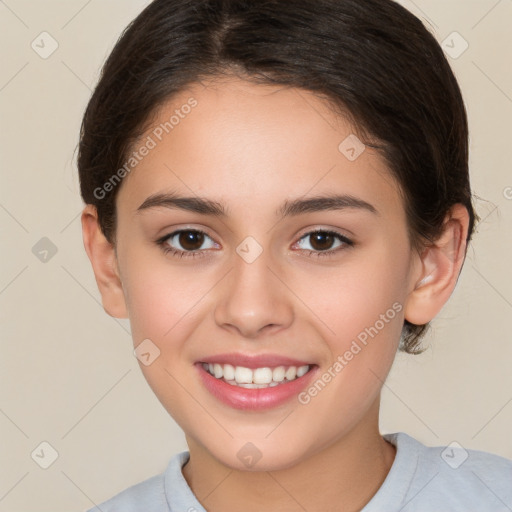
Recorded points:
(163, 303)
(359, 294)
(360, 306)
(362, 316)
(163, 299)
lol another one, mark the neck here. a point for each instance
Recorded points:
(341, 477)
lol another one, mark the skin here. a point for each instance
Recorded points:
(251, 147)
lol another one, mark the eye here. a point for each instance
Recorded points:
(191, 240)
(322, 242)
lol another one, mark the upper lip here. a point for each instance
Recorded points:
(254, 361)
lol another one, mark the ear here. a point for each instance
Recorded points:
(104, 263)
(440, 265)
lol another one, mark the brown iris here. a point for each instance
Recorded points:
(191, 240)
(321, 241)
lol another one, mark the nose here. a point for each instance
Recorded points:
(254, 299)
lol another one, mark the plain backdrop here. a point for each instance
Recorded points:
(69, 377)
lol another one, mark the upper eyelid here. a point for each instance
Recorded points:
(335, 231)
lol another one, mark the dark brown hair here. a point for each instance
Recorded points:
(372, 60)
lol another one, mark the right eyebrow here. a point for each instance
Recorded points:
(191, 204)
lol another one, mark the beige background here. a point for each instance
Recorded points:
(68, 373)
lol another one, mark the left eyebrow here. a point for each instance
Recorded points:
(323, 203)
(289, 208)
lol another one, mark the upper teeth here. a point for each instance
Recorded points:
(266, 375)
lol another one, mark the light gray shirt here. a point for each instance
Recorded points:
(421, 479)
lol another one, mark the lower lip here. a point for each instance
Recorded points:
(254, 399)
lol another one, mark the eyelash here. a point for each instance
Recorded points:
(177, 253)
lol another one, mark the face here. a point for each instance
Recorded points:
(261, 276)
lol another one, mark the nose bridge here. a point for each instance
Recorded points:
(253, 297)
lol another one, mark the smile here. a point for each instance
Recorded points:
(257, 378)
(257, 388)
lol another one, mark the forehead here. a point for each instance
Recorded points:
(251, 144)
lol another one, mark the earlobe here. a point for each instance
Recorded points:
(104, 263)
(440, 266)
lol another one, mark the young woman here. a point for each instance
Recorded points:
(277, 197)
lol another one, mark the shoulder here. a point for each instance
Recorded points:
(151, 495)
(455, 464)
(474, 474)
(452, 477)
(146, 495)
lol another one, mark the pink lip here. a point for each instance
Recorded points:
(254, 399)
(256, 361)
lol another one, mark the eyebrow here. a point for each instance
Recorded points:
(289, 208)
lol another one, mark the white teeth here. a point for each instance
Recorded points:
(291, 373)
(217, 370)
(257, 378)
(250, 386)
(278, 374)
(262, 376)
(229, 372)
(302, 370)
(243, 375)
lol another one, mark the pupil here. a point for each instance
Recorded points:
(322, 238)
(191, 240)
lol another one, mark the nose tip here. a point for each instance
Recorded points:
(252, 299)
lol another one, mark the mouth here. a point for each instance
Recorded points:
(263, 383)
